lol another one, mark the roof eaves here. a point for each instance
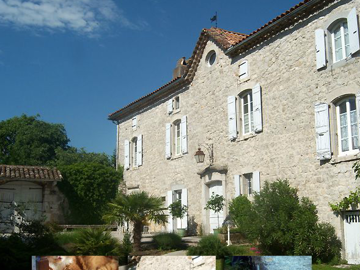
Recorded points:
(260, 34)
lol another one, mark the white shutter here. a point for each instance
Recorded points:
(243, 70)
(256, 95)
(184, 201)
(134, 123)
(169, 199)
(320, 48)
(126, 154)
(237, 185)
(323, 148)
(184, 139)
(256, 181)
(353, 31)
(232, 117)
(139, 150)
(170, 106)
(168, 141)
(358, 113)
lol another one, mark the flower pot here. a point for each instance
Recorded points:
(181, 232)
(217, 231)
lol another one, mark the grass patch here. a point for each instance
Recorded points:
(65, 238)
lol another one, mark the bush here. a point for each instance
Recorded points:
(210, 246)
(96, 242)
(167, 241)
(283, 224)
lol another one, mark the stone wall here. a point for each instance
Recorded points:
(285, 67)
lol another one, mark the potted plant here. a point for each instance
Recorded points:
(216, 203)
(178, 211)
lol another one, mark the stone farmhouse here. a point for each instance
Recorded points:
(279, 103)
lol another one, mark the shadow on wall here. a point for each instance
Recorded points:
(193, 226)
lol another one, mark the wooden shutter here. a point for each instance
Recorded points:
(232, 117)
(168, 141)
(184, 201)
(184, 138)
(126, 154)
(256, 95)
(169, 199)
(320, 48)
(256, 181)
(353, 31)
(243, 70)
(323, 148)
(237, 185)
(139, 150)
(170, 106)
(134, 123)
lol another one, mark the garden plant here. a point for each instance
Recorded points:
(216, 204)
(177, 210)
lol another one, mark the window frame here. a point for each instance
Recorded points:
(133, 147)
(177, 140)
(351, 151)
(247, 94)
(335, 25)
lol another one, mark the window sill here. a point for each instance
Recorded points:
(176, 111)
(340, 159)
(244, 80)
(342, 62)
(176, 157)
(246, 137)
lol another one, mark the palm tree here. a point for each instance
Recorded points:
(137, 208)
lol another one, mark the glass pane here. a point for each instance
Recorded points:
(346, 37)
(344, 145)
(343, 120)
(352, 104)
(338, 43)
(342, 107)
(353, 117)
(344, 132)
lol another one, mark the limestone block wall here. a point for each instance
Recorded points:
(285, 67)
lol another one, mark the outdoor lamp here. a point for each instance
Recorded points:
(199, 156)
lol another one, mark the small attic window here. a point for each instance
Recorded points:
(210, 58)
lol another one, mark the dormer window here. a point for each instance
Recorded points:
(177, 103)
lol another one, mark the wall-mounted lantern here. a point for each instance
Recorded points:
(200, 155)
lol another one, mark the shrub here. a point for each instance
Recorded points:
(209, 246)
(96, 242)
(167, 241)
(283, 224)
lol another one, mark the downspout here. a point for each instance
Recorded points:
(117, 143)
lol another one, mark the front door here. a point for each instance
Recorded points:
(352, 237)
(216, 219)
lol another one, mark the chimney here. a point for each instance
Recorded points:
(180, 68)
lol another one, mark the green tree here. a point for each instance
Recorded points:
(88, 188)
(137, 208)
(216, 203)
(26, 140)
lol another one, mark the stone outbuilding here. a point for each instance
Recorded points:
(281, 102)
(33, 189)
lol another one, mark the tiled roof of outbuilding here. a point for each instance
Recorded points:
(15, 172)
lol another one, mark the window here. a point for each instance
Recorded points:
(177, 137)
(347, 126)
(247, 113)
(176, 103)
(243, 73)
(340, 41)
(247, 184)
(134, 151)
(134, 123)
(210, 58)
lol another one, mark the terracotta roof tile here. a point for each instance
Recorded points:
(15, 172)
(225, 38)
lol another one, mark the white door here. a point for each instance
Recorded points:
(215, 188)
(352, 237)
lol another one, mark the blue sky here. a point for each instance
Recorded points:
(75, 61)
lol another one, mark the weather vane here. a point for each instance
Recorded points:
(214, 19)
